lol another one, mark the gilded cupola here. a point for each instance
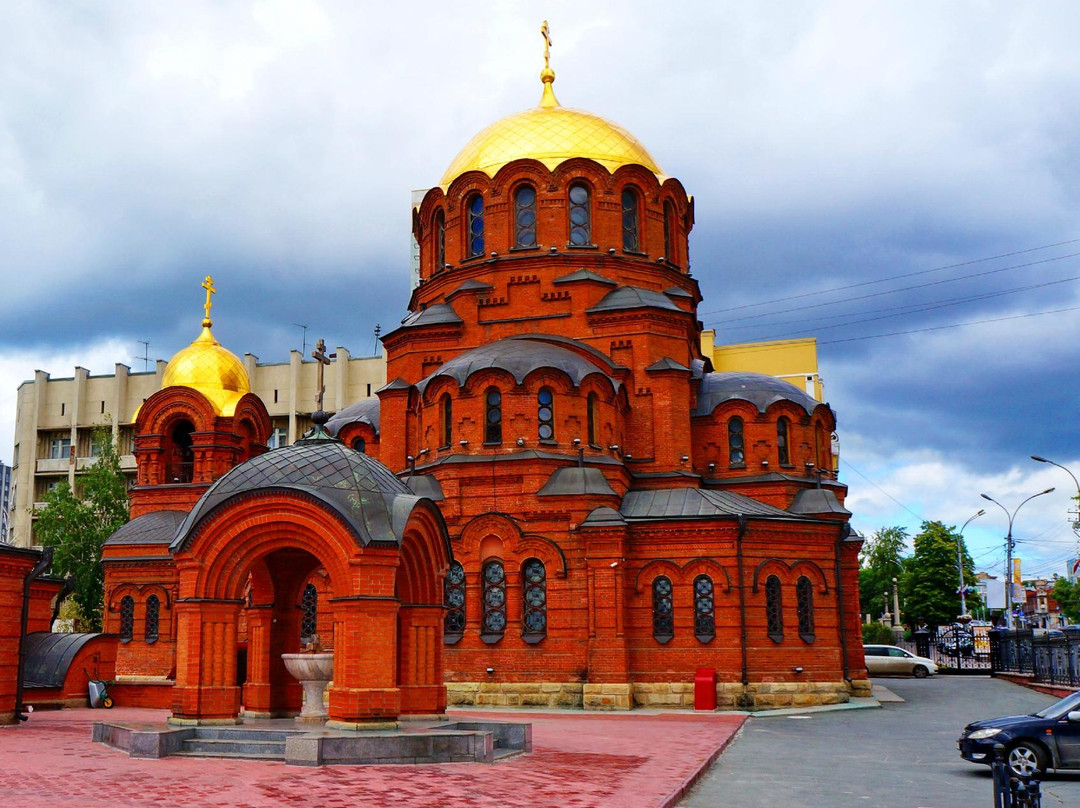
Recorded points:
(207, 367)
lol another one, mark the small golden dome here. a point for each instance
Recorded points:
(551, 134)
(211, 370)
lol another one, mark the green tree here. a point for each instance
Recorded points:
(882, 558)
(1067, 594)
(933, 580)
(77, 524)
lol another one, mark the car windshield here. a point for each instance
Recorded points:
(1060, 708)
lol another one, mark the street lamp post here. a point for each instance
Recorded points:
(960, 560)
(1076, 525)
(1009, 551)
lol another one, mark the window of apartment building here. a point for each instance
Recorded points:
(278, 438)
(59, 447)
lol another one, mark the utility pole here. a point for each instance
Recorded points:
(1009, 544)
(960, 561)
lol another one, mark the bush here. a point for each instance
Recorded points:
(877, 634)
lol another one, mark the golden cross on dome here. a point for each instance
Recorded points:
(208, 285)
(546, 33)
(547, 75)
(319, 355)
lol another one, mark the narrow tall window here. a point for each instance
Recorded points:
(804, 594)
(440, 241)
(127, 618)
(153, 616)
(590, 417)
(525, 216)
(774, 612)
(446, 421)
(782, 453)
(736, 444)
(493, 622)
(663, 617)
(545, 414)
(580, 217)
(493, 417)
(454, 603)
(630, 240)
(309, 613)
(669, 235)
(476, 225)
(533, 600)
(704, 609)
(360, 445)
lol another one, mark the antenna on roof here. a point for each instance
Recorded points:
(146, 354)
(303, 348)
(378, 330)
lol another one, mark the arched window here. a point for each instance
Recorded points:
(309, 613)
(774, 611)
(493, 416)
(454, 602)
(669, 231)
(181, 461)
(127, 618)
(446, 421)
(630, 240)
(590, 418)
(525, 216)
(153, 616)
(360, 445)
(533, 600)
(782, 453)
(580, 217)
(493, 622)
(440, 241)
(704, 609)
(475, 208)
(545, 414)
(804, 597)
(663, 617)
(736, 443)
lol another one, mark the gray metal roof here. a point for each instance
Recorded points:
(424, 485)
(584, 275)
(364, 412)
(437, 314)
(812, 501)
(757, 388)
(518, 357)
(574, 481)
(158, 527)
(632, 297)
(364, 492)
(695, 503)
(675, 291)
(48, 656)
(603, 517)
(667, 363)
(472, 285)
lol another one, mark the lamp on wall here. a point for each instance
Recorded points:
(463, 443)
(576, 441)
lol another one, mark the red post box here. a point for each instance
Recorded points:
(705, 689)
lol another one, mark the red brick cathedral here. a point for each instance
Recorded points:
(555, 501)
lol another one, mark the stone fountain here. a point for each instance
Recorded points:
(313, 670)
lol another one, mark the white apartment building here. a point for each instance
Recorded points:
(55, 418)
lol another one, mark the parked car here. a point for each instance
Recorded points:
(1048, 739)
(888, 659)
(949, 641)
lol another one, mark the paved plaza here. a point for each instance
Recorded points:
(579, 760)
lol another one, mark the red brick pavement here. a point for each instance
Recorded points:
(579, 761)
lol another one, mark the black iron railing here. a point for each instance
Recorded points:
(1051, 657)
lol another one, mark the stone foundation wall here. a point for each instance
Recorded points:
(515, 694)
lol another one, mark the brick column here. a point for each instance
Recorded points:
(257, 686)
(206, 691)
(365, 694)
(420, 651)
(609, 686)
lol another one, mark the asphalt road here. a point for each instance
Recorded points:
(900, 756)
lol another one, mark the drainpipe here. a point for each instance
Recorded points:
(69, 587)
(40, 567)
(845, 531)
(742, 596)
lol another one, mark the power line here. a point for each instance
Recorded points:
(882, 490)
(894, 277)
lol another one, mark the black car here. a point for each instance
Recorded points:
(1048, 739)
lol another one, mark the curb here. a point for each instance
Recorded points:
(681, 790)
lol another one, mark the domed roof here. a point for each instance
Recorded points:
(759, 389)
(552, 134)
(212, 370)
(364, 492)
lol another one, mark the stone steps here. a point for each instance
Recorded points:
(236, 743)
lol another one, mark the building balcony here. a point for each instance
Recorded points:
(52, 465)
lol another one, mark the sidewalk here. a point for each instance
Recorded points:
(580, 760)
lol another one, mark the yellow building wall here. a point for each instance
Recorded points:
(793, 360)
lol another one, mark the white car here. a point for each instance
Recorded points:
(889, 660)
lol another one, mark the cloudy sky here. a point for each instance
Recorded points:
(899, 179)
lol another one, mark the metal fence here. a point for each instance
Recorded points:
(1049, 657)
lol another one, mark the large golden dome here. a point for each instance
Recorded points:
(551, 134)
(208, 368)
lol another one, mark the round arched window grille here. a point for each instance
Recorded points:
(704, 609)
(580, 217)
(454, 601)
(525, 217)
(127, 618)
(534, 598)
(476, 225)
(736, 444)
(309, 607)
(663, 613)
(153, 616)
(545, 414)
(774, 611)
(493, 417)
(630, 240)
(493, 622)
(804, 596)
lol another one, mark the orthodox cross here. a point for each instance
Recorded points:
(208, 285)
(319, 355)
(546, 33)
